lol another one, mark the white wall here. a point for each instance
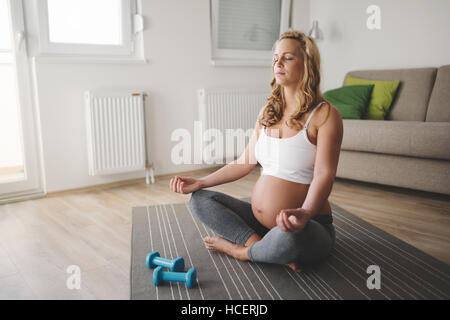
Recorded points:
(300, 15)
(414, 33)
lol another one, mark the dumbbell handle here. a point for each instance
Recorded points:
(153, 259)
(174, 276)
(189, 277)
(163, 262)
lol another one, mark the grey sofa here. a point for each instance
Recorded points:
(411, 148)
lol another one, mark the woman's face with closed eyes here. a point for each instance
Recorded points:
(288, 62)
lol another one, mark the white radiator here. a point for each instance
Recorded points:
(230, 109)
(116, 135)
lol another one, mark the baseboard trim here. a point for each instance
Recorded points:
(23, 197)
(127, 182)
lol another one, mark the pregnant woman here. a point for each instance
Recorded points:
(297, 140)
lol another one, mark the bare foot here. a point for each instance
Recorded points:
(294, 267)
(225, 246)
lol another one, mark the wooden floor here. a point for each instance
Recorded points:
(40, 239)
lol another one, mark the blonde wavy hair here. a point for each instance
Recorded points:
(308, 90)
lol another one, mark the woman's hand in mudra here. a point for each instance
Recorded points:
(184, 185)
(293, 220)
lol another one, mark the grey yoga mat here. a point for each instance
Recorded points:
(363, 257)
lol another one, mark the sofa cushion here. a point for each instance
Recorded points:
(413, 94)
(406, 138)
(439, 106)
(432, 175)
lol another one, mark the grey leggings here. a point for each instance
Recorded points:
(233, 220)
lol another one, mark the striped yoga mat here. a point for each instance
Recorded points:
(362, 253)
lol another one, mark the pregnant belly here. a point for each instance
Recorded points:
(271, 194)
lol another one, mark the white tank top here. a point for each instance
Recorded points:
(290, 158)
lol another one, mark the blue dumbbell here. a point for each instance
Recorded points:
(189, 277)
(153, 260)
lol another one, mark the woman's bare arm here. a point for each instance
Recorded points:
(329, 140)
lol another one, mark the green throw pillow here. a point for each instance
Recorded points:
(351, 101)
(383, 94)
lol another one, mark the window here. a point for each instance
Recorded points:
(244, 31)
(78, 21)
(87, 27)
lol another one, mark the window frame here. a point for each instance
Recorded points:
(233, 57)
(126, 49)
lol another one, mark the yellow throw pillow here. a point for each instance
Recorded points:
(383, 94)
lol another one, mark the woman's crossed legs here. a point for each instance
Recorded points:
(245, 238)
